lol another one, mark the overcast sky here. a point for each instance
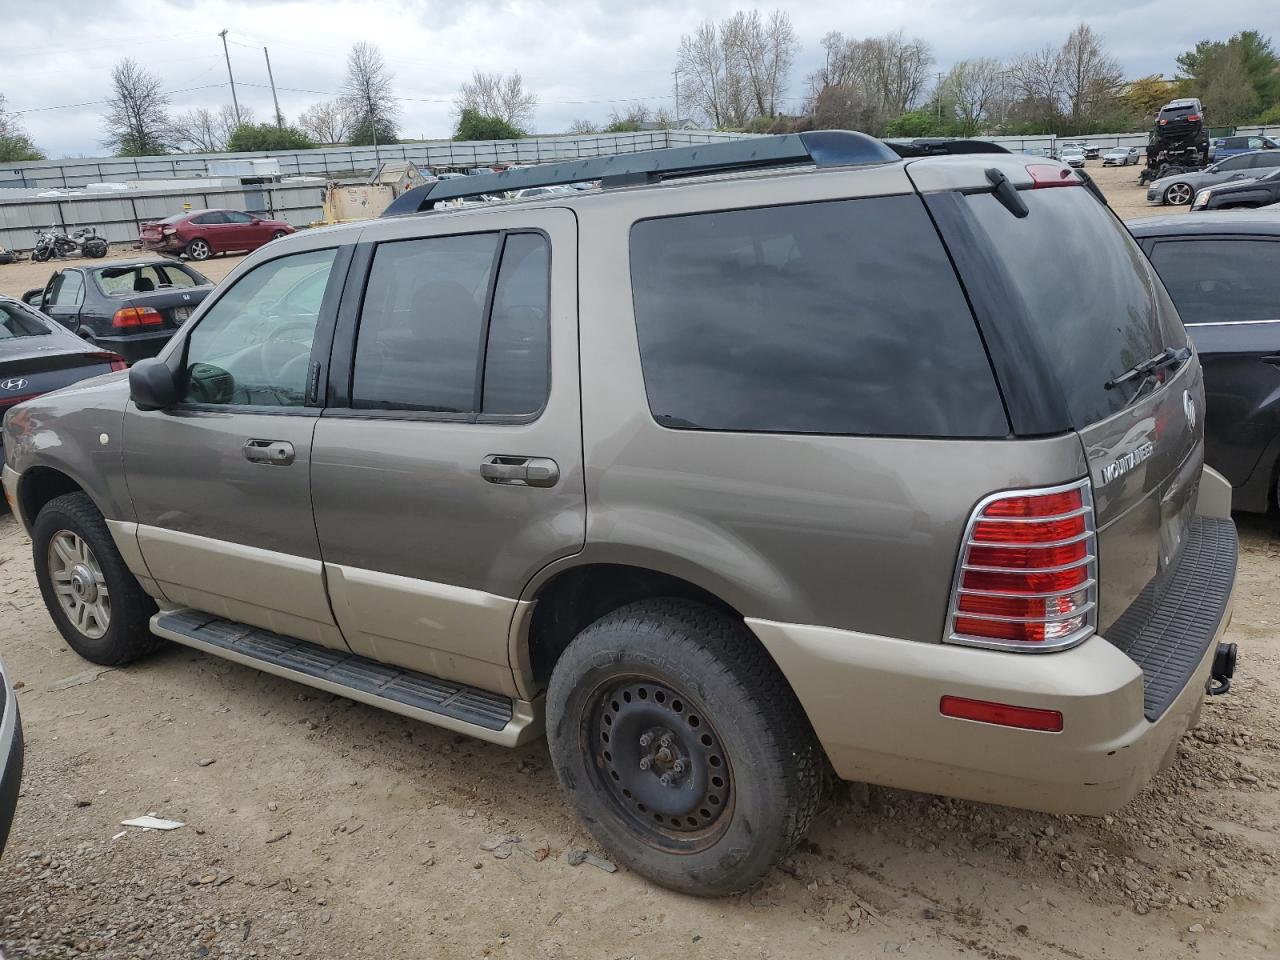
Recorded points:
(581, 57)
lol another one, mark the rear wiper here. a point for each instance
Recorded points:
(1168, 357)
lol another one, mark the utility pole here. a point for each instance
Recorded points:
(226, 53)
(676, 73)
(938, 95)
(279, 115)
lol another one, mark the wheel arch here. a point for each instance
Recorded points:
(562, 603)
(39, 484)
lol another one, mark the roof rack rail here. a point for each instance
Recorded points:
(940, 147)
(822, 148)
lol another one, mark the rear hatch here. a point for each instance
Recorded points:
(1076, 307)
(1179, 124)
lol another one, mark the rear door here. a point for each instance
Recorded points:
(447, 469)
(1091, 324)
(1227, 291)
(213, 227)
(64, 298)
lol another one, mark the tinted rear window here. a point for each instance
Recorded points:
(1221, 280)
(841, 317)
(16, 322)
(1086, 290)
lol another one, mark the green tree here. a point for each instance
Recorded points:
(918, 123)
(473, 125)
(1235, 78)
(362, 133)
(254, 137)
(14, 142)
(1146, 95)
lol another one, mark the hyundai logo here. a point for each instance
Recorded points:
(13, 383)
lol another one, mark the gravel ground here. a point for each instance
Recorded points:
(317, 827)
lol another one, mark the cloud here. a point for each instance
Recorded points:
(582, 57)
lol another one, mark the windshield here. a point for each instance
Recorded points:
(16, 322)
(145, 278)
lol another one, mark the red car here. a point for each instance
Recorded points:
(201, 233)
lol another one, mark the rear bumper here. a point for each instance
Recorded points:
(165, 245)
(136, 346)
(874, 703)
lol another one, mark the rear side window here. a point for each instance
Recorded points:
(433, 309)
(1269, 159)
(1086, 289)
(841, 317)
(1215, 281)
(210, 218)
(15, 322)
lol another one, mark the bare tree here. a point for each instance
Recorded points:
(975, 86)
(137, 122)
(496, 95)
(1091, 76)
(367, 96)
(867, 82)
(202, 130)
(702, 62)
(901, 70)
(326, 122)
(1039, 85)
(582, 127)
(764, 51)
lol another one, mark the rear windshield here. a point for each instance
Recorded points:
(843, 317)
(1086, 290)
(145, 278)
(16, 322)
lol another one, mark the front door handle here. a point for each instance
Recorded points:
(278, 452)
(520, 471)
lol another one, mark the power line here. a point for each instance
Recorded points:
(95, 103)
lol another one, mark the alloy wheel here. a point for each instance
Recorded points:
(1178, 194)
(79, 584)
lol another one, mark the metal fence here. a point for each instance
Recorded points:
(339, 161)
(118, 215)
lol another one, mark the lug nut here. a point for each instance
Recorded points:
(645, 762)
(665, 779)
(646, 739)
(666, 740)
(678, 767)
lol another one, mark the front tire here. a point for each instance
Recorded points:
(681, 746)
(278, 234)
(1178, 194)
(198, 249)
(95, 602)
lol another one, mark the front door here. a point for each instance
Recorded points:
(220, 482)
(447, 469)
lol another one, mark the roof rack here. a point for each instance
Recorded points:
(941, 147)
(822, 148)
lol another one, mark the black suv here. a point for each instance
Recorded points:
(1223, 272)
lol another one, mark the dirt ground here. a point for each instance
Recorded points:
(318, 827)
(17, 278)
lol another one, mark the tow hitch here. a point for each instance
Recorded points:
(1224, 668)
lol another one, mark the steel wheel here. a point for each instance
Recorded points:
(79, 584)
(1178, 194)
(661, 763)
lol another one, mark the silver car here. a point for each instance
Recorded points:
(1073, 157)
(10, 754)
(1121, 156)
(1180, 189)
(762, 459)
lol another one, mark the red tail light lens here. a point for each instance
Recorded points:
(131, 317)
(1027, 573)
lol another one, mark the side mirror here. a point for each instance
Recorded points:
(152, 385)
(255, 221)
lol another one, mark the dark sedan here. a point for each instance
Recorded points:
(1241, 194)
(1223, 272)
(38, 356)
(131, 307)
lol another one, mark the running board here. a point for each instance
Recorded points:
(477, 713)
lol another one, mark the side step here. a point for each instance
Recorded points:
(486, 716)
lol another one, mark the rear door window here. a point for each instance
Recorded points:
(842, 317)
(1086, 291)
(1221, 281)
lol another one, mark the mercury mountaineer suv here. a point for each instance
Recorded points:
(756, 461)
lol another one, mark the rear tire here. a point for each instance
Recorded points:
(199, 250)
(676, 688)
(78, 567)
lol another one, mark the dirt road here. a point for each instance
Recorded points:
(316, 827)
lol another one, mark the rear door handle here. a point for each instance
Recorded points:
(520, 471)
(278, 452)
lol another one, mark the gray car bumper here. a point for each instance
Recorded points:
(11, 751)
